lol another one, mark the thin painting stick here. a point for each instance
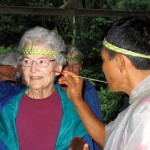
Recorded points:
(81, 77)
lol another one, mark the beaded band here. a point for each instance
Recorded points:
(123, 51)
(40, 52)
(71, 59)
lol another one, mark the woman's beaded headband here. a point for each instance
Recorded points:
(71, 59)
(123, 51)
(40, 52)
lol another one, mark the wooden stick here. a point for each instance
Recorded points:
(92, 79)
(81, 77)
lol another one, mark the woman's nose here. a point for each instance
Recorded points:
(34, 66)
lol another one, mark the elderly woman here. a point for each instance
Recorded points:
(126, 65)
(91, 97)
(74, 60)
(39, 117)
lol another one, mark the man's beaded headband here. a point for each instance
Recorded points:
(71, 59)
(123, 51)
(40, 52)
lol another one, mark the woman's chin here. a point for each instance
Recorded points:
(35, 87)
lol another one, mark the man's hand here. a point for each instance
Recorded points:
(8, 71)
(74, 85)
(74, 90)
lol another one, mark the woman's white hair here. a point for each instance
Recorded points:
(42, 36)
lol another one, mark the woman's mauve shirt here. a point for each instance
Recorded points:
(38, 122)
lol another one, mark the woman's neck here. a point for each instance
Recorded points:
(40, 93)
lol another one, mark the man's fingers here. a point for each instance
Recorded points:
(68, 78)
(62, 80)
(71, 78)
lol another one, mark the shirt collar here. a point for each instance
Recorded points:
(141, 91)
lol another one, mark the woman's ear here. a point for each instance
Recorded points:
(120, 62)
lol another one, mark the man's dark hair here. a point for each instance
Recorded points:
(132, 34)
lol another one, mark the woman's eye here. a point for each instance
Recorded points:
(26, 61)
(43, 61)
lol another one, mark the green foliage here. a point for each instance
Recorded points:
(111, 104)
(13, 26)
(4, 50)
(10, 29)
(132, 5)
(91, 32)
(39, 3)
(89, 73)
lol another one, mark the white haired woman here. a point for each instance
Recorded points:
(39, 117)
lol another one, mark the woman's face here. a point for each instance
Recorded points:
(39, 77)
(74, 67)
(111, 71)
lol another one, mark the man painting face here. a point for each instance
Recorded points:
(112, 71)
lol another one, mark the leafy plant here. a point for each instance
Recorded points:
(111, 104)
(4, 50)
(132, 5)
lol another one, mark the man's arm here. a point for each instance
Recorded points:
(93, 125)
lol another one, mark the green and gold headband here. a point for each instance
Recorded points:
(123, 51)
(40, 52)
(71, 59)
